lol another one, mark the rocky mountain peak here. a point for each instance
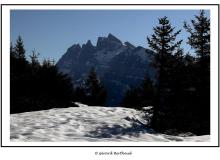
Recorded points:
(89, 43)
(113, 38)
(110, 42)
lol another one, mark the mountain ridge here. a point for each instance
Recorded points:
(119, 65)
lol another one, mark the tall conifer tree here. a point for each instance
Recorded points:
(95, 91)
(199, 40)
(163, 43)
(19, 48)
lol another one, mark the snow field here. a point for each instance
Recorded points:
(87, 123)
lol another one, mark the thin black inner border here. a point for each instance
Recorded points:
(110, 5)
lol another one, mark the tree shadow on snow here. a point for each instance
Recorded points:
(116, 131)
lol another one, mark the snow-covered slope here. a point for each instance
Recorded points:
(87, 123)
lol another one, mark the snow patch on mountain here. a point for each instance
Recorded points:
(105, 56)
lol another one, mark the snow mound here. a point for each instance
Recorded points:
(87, 123)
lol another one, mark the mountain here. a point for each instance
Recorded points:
(119, 65)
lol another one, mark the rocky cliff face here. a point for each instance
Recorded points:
(119, 65)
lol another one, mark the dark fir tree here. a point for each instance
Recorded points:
(35, 86)
(12, 77)
(163, 43)
(12, 51)
(56, 88)
(199, 40)
(95, 91)
(19, 48)
(178, 97)
(34, 59)
(12, 60)
(148, 92)
(132, 98)
(18, 74)
(139, 97)
(80, 94)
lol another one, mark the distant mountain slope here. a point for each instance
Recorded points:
(118, 64)
(91, 124)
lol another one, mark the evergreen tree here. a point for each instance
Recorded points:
(12, 60)
(163, 43)
(12, 51)
(148, 92)
(19, 48)
(199, 40)
(132, 98)
(34, 59)
(56, 88)
(19, 58)
(35, 86)
(139, 97)
(18, 75)
(95, 91)
(79, 94)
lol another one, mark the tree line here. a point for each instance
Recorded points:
(39, 86)
(181, 93)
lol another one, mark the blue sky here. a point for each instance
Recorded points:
(51, 32)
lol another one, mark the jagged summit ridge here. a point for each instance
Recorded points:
(102, 41)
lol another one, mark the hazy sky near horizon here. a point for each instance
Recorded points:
(52, 32)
